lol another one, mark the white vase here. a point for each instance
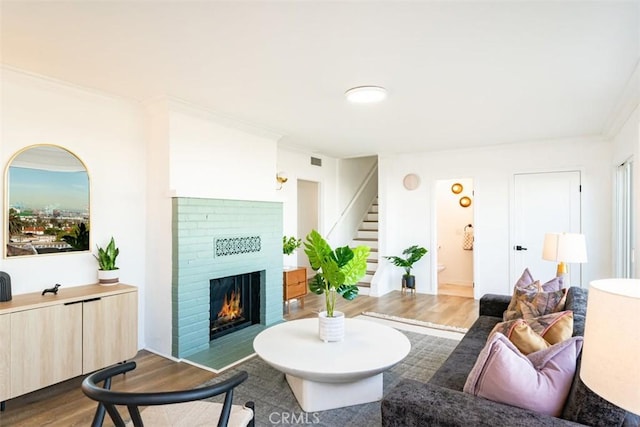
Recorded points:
(108, 277)
(331, 329)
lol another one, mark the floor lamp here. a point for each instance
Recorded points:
(612, 342)
(564, 248)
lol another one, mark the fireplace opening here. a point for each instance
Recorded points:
(235, 303)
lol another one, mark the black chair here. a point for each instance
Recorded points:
(177, 401)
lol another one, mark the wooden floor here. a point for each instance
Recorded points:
(455, 290)
(442, 309)
(64, 404)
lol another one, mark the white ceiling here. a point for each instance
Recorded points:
(459, 74)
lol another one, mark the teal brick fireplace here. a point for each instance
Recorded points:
(214, 238)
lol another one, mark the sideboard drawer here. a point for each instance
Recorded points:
(294, 283)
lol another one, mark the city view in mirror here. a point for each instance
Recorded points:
(47, 202)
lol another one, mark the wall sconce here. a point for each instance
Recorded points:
(465, 202)
(281, 177)
(456, 188)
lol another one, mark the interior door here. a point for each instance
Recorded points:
(544, 203)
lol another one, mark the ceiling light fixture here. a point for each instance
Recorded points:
(366, 94)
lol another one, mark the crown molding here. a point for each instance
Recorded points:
(68, 85)
(186, 107)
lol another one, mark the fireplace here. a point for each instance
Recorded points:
(231, 237)
(235, 303)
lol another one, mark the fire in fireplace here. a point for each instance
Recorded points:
(235, 303)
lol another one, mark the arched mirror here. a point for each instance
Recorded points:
(47, 202)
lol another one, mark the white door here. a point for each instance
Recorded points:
(544, 203)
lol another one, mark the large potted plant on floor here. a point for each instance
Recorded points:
(411, 255)
(107, 270)
(337, 273)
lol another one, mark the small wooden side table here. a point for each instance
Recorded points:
(294, 280)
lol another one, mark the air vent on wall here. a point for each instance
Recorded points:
(316, 161)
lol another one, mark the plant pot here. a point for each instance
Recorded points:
(108, 277)
(409, 282)
(331, 329)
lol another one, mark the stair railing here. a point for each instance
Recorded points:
(346, 226)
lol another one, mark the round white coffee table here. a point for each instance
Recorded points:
(336, 374)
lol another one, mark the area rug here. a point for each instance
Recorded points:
(412, 327)
(276, 405)
(415, 322)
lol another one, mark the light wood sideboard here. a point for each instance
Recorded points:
(294, 280)
(50, 338)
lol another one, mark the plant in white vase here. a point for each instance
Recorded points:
(337, 273)
(108, 272)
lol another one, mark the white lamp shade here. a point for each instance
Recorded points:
(611, 352)
(564, 247)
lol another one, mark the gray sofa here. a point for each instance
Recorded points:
(441, 402)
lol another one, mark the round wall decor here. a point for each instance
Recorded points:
(456, 188)
(411, 181)
(465, 202)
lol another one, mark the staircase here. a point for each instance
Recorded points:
(367, 235)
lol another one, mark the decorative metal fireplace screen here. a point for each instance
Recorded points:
(235, 303)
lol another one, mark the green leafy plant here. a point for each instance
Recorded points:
(337, 271)
(290, 244)
(79, 238)
(15, 222)
(412, 255)
(107, 257)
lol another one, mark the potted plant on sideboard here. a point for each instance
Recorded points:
(337, 272)
(107, 270)
(290, 244)
(411, 255)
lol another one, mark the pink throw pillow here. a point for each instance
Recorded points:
(540, 381)
(527, 284)
(525, 279)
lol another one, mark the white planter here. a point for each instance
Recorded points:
(108, 277)
(331, 329)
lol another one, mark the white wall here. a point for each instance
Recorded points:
(213, 159)
(158, 227)
(351, 175)
(451, 220)
(308, 211)
(107, 134)
(407, 217)
(296, 163)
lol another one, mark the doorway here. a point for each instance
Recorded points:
(625, 215)
(308, 217)
(454, 222)
(545, 202)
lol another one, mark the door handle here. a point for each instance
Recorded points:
(519, 248)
